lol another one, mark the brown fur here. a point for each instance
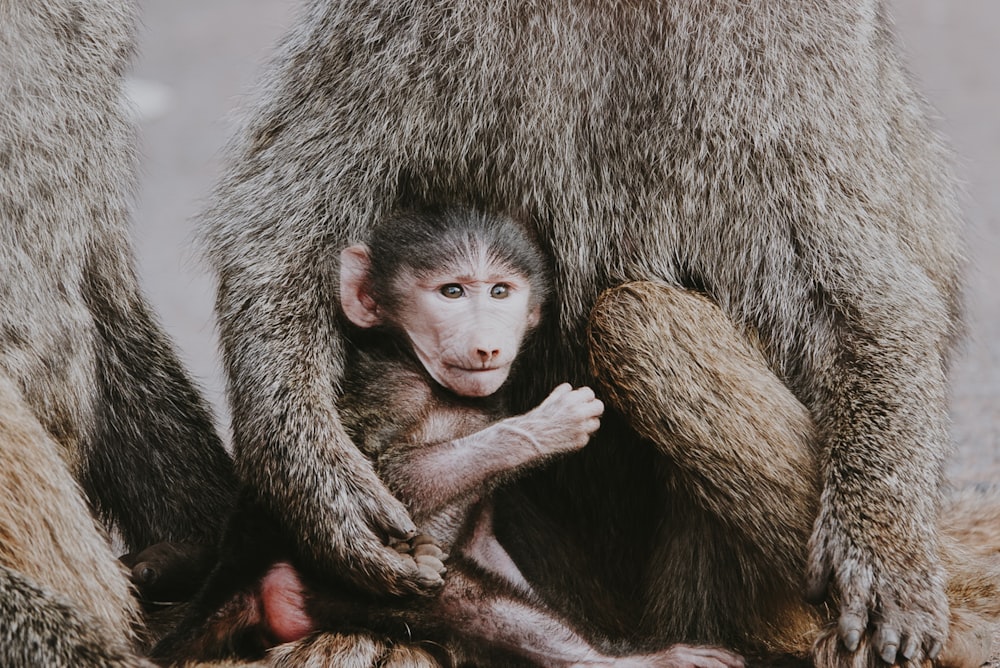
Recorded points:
(774, 157)
(59, 581)
(348, 651)
(729, 411)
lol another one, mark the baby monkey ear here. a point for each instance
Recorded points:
(534, 316)
(355, 294)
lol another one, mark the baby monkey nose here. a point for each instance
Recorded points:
(487, 355)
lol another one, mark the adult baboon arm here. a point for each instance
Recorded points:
(884, 268)
(153, 464)
(156, 466)
(878, 377)
(289, 443)
(78, 337)
(272, 233)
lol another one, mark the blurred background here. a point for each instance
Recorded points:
(198, 59)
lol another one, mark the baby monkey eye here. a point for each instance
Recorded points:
(500, 291)
(452, 291)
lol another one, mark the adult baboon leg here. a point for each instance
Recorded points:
(41, 629)
(64, 598)
(156, 467)
(688, 380)
(152, 462)
(744, 485)
(743, 479)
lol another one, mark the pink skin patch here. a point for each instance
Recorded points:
(283, 601)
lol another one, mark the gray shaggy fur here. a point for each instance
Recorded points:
(773, 157)
(93, 396)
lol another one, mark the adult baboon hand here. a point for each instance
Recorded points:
(368, 546)
(894, 592)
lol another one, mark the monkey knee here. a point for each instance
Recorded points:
(638, 301)
(283, 601)
(644, 335)
(682, 372)
(646, 321)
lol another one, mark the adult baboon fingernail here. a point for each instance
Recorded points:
(852, 640)
(889, 652)
(910, 648)
(428, 550)
(935, 651)
(887, 642)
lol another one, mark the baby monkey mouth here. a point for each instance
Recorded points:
(478, 369)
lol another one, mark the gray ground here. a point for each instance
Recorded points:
(952, 47)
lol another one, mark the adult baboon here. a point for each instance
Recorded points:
(764, 177)
(95, 409)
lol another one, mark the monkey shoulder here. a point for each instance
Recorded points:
(383, 397)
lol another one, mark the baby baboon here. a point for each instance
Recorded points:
(91, 394)
(439, 305)
(765, 178)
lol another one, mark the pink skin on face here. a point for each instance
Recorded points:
(466, 323)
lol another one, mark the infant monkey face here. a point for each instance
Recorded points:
(466, 324)
(460, 289)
